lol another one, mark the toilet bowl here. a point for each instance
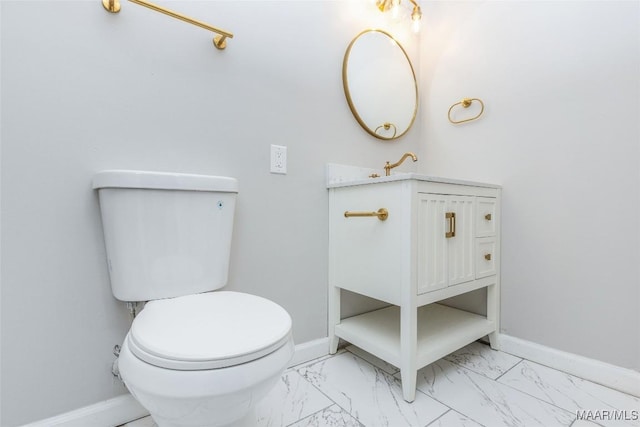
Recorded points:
(198, 371)
(195, 355)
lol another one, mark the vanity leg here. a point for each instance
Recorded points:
(333, 344)
(334, 318)
(493, 314)
(408, 349)
(409, 378)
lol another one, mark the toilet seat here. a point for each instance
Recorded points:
(208, 331)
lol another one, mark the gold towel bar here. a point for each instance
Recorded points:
(381, 213)
(219, 41)
(466, 102)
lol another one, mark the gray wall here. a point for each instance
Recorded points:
(561, 133)
(83, 90)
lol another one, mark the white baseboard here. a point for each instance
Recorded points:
(125, 408)
(310, 350)
(622, 379)
(112, 412)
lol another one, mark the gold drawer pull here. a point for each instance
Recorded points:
(487, 217)
(381, 213)
(451, 216)
(487, 257)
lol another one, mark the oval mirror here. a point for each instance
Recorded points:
(380, 84)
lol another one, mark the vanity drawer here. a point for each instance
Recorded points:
(485, 257)
(485, 216)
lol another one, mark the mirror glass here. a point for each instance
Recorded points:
(380, 84)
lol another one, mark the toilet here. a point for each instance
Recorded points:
(195, 355)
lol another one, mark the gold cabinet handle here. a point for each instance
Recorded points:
(487, 257)
(381, 213)
(451, 217)
(487, 217)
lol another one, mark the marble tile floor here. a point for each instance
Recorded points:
(473, 387)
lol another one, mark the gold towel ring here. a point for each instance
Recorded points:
(387, 126)
(466, 102)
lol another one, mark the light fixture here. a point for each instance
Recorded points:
(394, 6)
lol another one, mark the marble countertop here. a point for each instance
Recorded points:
(348, 176)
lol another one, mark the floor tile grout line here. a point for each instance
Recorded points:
(133, 421)
(576, 420)
(450, 409)
(443, 414)
(457, 412)
(508, 370)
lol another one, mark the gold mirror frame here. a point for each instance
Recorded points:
(387, 125)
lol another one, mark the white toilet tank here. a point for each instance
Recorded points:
(166, 234)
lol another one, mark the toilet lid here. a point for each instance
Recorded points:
(208, 331)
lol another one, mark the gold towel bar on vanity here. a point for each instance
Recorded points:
(465, 103)
(219, 41)
(381, 213)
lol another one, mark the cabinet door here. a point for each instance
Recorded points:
(432, 244)
(445, 258)
(461, 246)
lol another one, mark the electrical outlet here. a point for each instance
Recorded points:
(278, 159)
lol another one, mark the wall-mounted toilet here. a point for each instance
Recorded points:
(193, 357)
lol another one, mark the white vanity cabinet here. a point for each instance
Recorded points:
(441, 238)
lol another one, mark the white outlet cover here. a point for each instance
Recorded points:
(278, 159)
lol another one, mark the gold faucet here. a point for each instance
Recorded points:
(389, 166)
